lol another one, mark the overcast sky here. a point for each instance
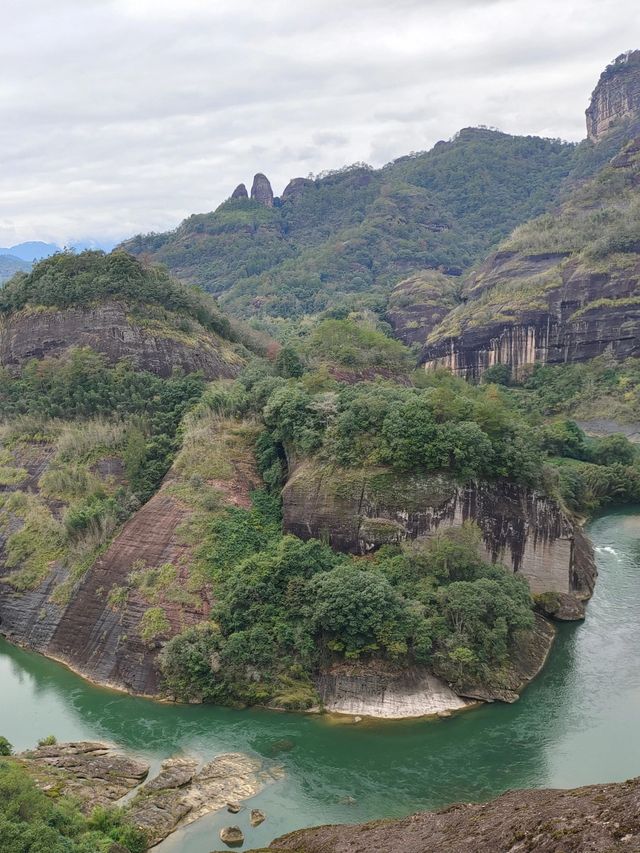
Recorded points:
(119, 116)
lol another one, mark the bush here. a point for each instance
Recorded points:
(5, 747)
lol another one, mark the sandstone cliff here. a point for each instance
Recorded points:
(155, 341)
(563, 288)
(598, 818)
(616, 97)
(109, 620)
(360, 510)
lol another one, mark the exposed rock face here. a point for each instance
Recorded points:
(589, 312)
(98, 633)
(376, 691)
(296, 187)
(108, 328)
(240, 192)
(616, 97)
(95, 774)
(419, 303)
(261, 190)
(599, 818)
(360, 510)
(562, 289)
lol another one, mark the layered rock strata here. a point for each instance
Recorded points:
(359, 510)
(109, 328)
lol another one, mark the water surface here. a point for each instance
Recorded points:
(576, 724)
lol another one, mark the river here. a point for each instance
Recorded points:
(576, 724)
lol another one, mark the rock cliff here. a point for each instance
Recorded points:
(563, 288)
(616, 97)
(109, 622)
(598, 818)
(360, 510)
(261, 190)
(118, 330)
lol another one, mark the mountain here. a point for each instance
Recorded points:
(563, 287)
(346, 237)
(11, 264)
(117, 307)
(31, 251)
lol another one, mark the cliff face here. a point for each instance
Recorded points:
(583, 313)
(360, 510)
(563, 288)
(616, 97)
(111, 328)
(598, 818)
(109, 622)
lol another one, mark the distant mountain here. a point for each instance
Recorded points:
(10, 264)
(34, 250)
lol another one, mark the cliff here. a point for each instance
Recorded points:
(616, 96)
(108, 618)
(358, 510)
(118, 330)
(563, 288)
(118, 306)
(598, 818)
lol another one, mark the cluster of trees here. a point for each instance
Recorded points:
(31, 821)
(284, 607)
(82, 385)
(68, 279)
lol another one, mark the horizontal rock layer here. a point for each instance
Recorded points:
(107, 328)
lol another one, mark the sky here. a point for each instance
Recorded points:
(125, 116)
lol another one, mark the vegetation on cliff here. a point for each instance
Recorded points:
(346, 237)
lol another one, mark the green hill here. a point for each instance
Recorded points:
(345, 238)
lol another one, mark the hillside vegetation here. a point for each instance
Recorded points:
(345, 238)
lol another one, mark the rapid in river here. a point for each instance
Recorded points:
(576, 724)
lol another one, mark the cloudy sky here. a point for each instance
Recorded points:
(119, 116)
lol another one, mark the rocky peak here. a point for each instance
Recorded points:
(261, 190)
(240, 192)
(616, 97)
(296, 187)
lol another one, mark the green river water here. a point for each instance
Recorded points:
(578, 723)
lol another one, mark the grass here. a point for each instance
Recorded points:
(33, 549)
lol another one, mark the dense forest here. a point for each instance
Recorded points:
(345, 238)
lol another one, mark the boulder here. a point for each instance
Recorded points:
(232, 836)
(257, 817)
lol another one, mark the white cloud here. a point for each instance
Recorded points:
(119, 116)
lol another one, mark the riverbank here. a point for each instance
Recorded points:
(575, 724)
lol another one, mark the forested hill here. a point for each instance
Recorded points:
(345, 238)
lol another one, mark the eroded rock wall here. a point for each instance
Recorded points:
(357, 511)
(109, 329)
(616, 97)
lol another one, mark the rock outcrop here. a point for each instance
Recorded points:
(110, 328)
(359, 510)
(261, 190)
(564, 288)
(240, 192)
(419, 303)
(376, 690)
(598, 819)
(296, 187)
(616, 97)
(96, 774)
(98, 627)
